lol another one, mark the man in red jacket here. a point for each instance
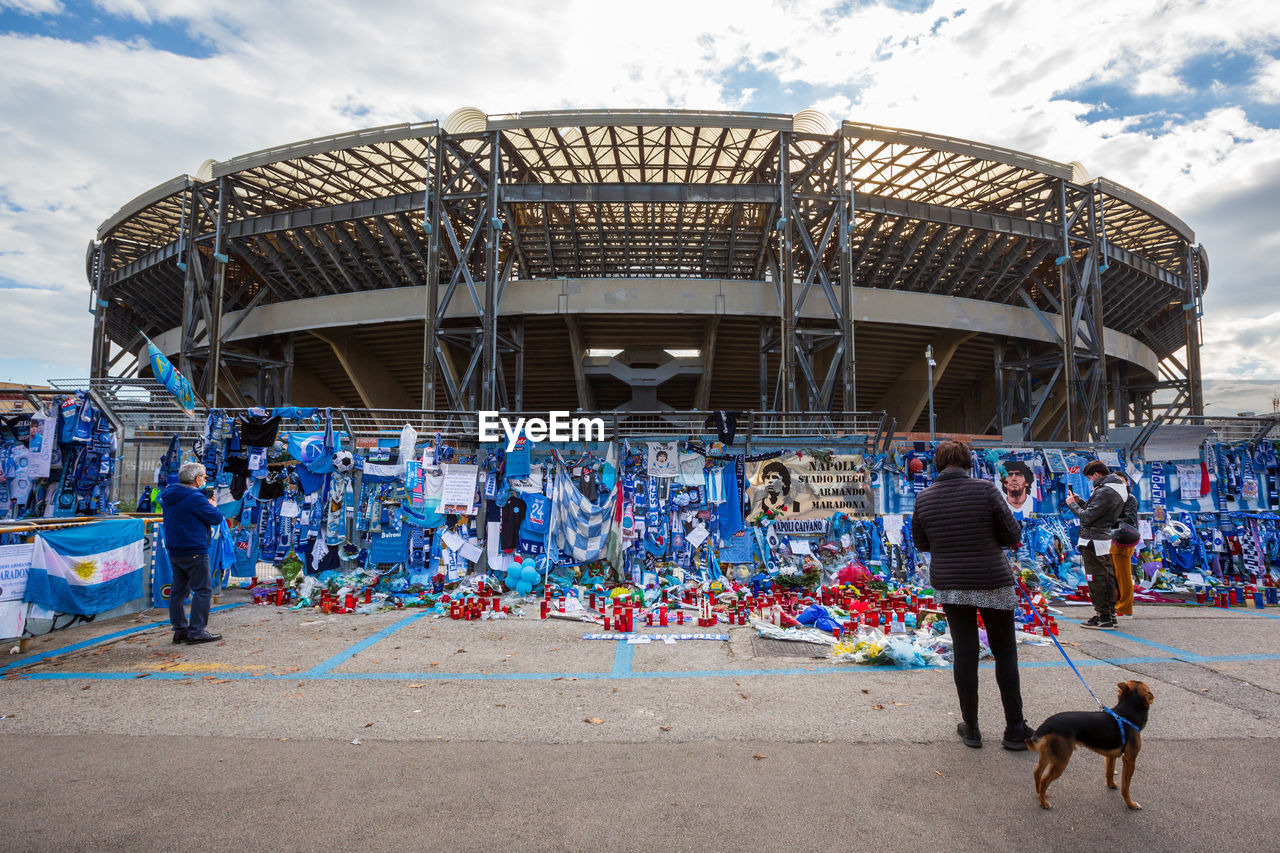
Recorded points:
(188, 517)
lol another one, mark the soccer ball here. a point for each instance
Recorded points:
(343, 461)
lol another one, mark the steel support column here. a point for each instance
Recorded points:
(849, 365)
(786, 269)
(286, 376)
(190, 305)
(764, 367)
(517, 334)
(98, 304)
(431, 315)
(1193, 309)
(488, 324)
(472, 244)
(815, 255)
(219, 262)
(1083, 354)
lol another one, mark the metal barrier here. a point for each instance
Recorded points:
(146, 418)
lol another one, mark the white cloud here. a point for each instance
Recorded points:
(91, 125)
(1241, 347)
(33, 7)
(1266, 86)
(1234, 396)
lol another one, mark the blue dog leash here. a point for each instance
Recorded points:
(1121, 721)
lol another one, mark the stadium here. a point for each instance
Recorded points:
(650, 261)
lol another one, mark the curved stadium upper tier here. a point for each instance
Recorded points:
(649, 229)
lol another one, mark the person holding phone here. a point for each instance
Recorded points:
(189, 514)
(1098, 518)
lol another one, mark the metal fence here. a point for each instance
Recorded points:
(750, 426)
(141, 407)
(142, 445)
(136, 468)
(137, 407)
(146, 418)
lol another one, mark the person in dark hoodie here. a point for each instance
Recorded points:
(1098, 518)
(188, 517)
(965, 525)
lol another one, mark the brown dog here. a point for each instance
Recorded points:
(1058, 737)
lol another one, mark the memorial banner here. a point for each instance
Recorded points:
(15, 563)
(802, 486)
(458, 491)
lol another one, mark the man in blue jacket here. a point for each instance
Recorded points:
(188, 516)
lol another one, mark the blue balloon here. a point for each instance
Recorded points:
(524, 588)
(532, 574)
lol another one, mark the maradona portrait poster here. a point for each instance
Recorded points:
(805, 486)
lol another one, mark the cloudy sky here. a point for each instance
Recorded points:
(104, 99)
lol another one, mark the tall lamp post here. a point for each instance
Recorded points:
(933, 423)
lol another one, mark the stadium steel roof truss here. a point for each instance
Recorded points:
(735, 201)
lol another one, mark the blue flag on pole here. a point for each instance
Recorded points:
(173, 381)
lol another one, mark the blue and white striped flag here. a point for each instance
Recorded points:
(88, 570)
(579, 527)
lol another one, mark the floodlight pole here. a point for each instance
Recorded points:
(933, 422)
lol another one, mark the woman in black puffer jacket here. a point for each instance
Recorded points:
(965, 524)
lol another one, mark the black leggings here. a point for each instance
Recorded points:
(963, 621)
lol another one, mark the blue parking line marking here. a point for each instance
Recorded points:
(1231, 658)
(105, 638)
(471, 676)
(1240, 610)
(622, 659)
(347, 654)
(1057, 664)
(622, 668)
(1181, 653)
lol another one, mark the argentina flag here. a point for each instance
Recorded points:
(88, 570)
